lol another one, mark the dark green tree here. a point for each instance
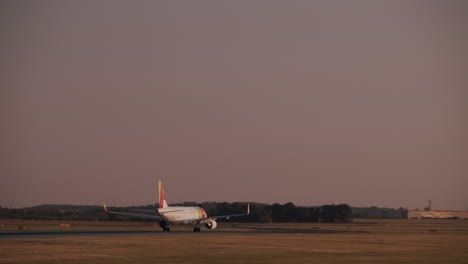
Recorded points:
(328, 214)
(344, 214)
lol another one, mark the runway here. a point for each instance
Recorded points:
(103, 233)
(29, 234)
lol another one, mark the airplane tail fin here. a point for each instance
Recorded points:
(162, 196)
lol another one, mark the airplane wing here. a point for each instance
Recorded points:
(156, 211)
(155, 217)
(202, 220)
(146, 211)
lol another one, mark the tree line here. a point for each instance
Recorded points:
(259, 213)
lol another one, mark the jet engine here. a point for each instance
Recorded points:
(211, 224)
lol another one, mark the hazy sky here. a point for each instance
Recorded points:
(310, 102)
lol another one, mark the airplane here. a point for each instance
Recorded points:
(170, 215)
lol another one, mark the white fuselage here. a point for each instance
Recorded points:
(181, 214)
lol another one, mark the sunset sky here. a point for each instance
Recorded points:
(310, 102)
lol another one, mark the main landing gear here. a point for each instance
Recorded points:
(196, 229)
(164, 226)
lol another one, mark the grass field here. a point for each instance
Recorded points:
(370, 241)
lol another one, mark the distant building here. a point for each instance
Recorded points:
(412, 214)
(378, 212)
